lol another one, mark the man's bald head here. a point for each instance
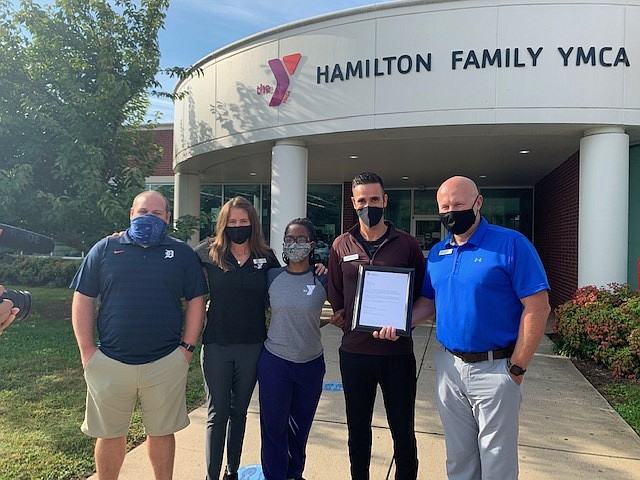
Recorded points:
(151, 193)
(461, 186)
(457, 193)
(150, 202)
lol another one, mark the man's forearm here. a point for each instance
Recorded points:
(424, 309)
(83, 321)
(194, 320)
(532, 327)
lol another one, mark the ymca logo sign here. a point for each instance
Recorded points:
(282, 70)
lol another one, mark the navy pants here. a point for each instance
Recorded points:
(289, 395)
(396, 375)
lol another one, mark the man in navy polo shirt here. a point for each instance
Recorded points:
(491, 298)
(144, 347)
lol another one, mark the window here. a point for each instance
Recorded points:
(509, 207)
(398, 209)
(324, 209)
(210, 205)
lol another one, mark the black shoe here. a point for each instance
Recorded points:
(230, 476)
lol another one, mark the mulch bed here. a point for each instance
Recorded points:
(597, 375)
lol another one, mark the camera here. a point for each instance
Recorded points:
(21, 299)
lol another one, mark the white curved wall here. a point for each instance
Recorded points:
(224, 107)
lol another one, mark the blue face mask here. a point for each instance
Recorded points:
(147, 230)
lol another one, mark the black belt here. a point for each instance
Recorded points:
(483, 356)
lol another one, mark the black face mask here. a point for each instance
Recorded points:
(370, 216)
(458, 222)
(238, 235)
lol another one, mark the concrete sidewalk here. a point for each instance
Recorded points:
(567, 429)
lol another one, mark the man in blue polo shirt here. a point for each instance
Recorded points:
(491, 300)
(144, 347)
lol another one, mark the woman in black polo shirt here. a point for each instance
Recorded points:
(236, 262)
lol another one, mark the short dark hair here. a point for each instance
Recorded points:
(366, 178)
(307, 224)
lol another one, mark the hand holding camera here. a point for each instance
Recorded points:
(16, 304)
(13, 305)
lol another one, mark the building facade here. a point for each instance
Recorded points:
(538, 102)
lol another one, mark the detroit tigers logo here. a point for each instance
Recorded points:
(283, 70)
(168, 253)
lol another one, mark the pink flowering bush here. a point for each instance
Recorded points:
(603, 324)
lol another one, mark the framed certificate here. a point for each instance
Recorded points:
(383, 298)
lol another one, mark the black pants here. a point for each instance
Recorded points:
(396, 375)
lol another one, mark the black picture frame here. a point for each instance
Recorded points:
(372, 298)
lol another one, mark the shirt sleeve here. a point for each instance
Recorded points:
(202, 250)
(324, 281)
(87, 279)
(427, 289)
(272, 261)
(335, 281)
(419, 266)
(195, 284)
(528, 275)
(272, 273)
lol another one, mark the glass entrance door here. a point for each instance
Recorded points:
(428, 230)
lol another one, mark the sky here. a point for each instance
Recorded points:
(196, 28)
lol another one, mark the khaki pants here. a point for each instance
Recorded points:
(113, 387)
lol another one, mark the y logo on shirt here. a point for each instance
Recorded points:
(310, 289)
(477, 259)
(168, 253)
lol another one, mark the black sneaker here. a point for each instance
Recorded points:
(230, 476)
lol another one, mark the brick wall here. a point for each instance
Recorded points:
(349, 218)
(556, 228)
(164, 138)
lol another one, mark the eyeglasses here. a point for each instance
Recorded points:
(300, 240)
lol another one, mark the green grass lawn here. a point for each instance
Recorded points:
(626, 401)
(42, 395)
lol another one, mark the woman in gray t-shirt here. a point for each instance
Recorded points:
(291, 366)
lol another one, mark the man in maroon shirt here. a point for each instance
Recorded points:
(366, 361)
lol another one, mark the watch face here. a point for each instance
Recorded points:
(516, 370)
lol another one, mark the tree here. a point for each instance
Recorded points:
(74, 81)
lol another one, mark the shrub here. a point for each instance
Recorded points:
(38, 272)
(603, 324)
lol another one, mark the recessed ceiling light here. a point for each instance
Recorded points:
(482, 176)
(353, 157)
(405, 177)
(253, 174)
(524, 152)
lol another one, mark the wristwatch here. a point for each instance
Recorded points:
(188, 347)
(516, 370)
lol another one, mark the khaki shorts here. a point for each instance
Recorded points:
(113, 386)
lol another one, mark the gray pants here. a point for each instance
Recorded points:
(479, 405)
(230, 377)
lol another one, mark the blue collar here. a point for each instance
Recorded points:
(475, 239)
